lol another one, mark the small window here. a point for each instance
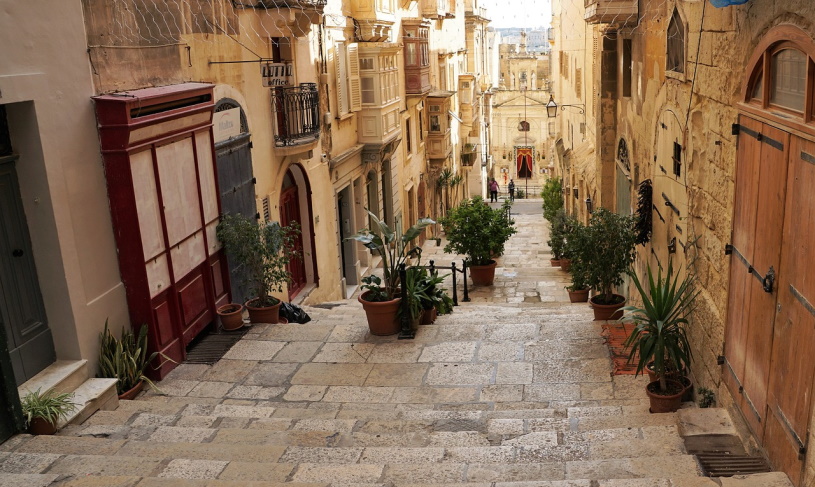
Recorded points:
(421, 125)
(677, 158)
(627, 67)
(366, 63)
(788, 72)
(435, 123)
(408, 138)
(758, 89)
(368, 94)
(676, 44)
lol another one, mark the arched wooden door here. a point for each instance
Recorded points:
(290, 212)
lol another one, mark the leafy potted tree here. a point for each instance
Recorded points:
(576, 246)
(126, 360)
(659, 336)
(264, 250)
(43, 411)
(479, 232)
(610, 252)
(381, 299)
(557, 237)
(552, 194)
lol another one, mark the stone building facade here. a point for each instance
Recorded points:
(713, 106)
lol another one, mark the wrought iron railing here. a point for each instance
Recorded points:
(296, 112)
(293, 3)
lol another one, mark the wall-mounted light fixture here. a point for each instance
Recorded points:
(574, 192)
(589, 205)
(552, 106)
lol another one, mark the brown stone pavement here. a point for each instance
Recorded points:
(513, 390)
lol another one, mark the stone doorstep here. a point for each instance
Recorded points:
(62, 376)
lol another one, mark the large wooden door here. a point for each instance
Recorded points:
(790, 389)
(290, 212)
(771, 325)
(22, 313)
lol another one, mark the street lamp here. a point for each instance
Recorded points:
(552, 106)
(589, 205)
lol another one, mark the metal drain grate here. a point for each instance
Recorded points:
(212, 347)
(725, 464)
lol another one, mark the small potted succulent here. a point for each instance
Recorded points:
(659, 335)
(381, 299)
(42, 411)
(480, 232)
(126, 360)
(261, 252)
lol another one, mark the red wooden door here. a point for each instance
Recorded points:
(757, 228)
(290, 212)
(790, 390)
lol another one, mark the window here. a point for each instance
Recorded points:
(435, 123)
(408, 139)
(627, 67)
(366, 63)
(677, 158)
(420, 118)
(676, 44)
(788, 73)
(578, 83)
(368, 91)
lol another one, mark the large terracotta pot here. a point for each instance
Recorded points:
(607, 311)
(555, 262)
(41, 426)
(133, 392)
(483, 275)
(579, 296)
(382, 315)
(231, 316)
(264, 314)
(565, 264)
(665, 403)
(429, 316)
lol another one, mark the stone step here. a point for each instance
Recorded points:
(93, 395)
(61, 376)
(27, 479)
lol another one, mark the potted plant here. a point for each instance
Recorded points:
(479, 232)
(552, 194)
(610, 252)
(557, 239)
(264, 250)
(659, 335)
(424, 288)
(126, 360)
(43, 411)
(576, 247)
(231, 316)
(381, 298)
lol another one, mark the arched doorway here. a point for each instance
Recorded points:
(770, 331)
(295, 207)
(233, 159)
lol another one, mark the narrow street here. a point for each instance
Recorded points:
(513, 389)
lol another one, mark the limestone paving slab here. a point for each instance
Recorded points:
(193, 469)
(27, 480)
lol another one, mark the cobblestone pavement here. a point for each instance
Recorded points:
(511, 390)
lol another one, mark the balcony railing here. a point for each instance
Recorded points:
(293, 3)
(296, 114)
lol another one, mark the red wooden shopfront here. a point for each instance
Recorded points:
(162, 185)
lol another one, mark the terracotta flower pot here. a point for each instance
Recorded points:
(429, 316)
(483, 275)
(666, 403)
(382, 315)
(231, 316)
(579, 296)
(263, 314)
(565, 264)
(42, 426)
(607, 311)
(133, 392)
(555, 262)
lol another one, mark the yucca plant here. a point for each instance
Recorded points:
(125, 359)
(659, 334)
(50, 406)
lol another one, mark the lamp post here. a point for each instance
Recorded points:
(552, 106)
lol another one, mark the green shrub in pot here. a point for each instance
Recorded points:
(478, 231)
(610, 252)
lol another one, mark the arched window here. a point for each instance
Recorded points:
(676, 44)
(782, 76)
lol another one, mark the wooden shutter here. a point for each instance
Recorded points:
(354, 90)
(578, 83)
(342, 79)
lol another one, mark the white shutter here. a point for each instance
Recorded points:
(354, 90)
(342, 78)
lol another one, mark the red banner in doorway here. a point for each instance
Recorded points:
(524, 161)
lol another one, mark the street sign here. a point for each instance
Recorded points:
(276, 74)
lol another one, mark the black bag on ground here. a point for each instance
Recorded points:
(294, 313)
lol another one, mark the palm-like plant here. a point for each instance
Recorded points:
(125, 359)
(395, 247)
(660, 335)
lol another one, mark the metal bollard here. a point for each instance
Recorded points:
(455, 286)
(407, 331)
(432, 267)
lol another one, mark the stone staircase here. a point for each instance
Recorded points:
(511, 390)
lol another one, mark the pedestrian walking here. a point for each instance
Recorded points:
(511, 190)
(493, 191)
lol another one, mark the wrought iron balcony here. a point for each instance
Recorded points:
(296, 113)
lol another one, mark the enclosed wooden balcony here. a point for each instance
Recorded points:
(618, 12)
